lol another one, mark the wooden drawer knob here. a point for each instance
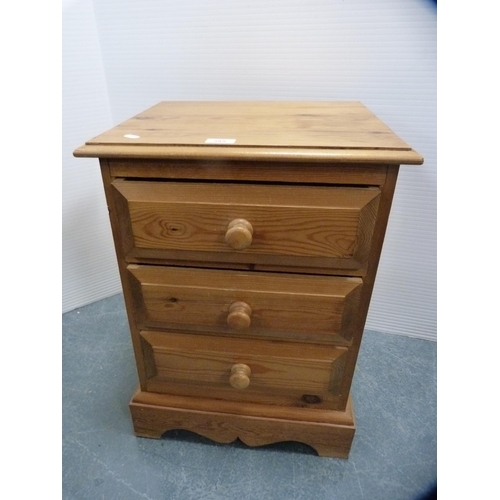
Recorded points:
(239, 315)
(240, 376)
(239, 234)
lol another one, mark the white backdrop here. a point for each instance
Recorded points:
(121, 57)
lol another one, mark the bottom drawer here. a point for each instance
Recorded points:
(258, 371)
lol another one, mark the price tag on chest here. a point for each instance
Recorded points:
(220, 141)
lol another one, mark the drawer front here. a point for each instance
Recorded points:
(249, 304)
(244, 370)
(314, 226)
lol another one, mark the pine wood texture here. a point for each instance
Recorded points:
(255, 171)
(278, 304)
(330, 433)
(369, 279)
(356, 156)
(248, 236)
(287, 221)
(281, 372)
(239, 316)
(240, 376)
(284, 124)
(239, 234)
(341, 131)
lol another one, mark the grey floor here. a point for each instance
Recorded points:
(393, 455)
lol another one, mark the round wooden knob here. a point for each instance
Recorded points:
(240, 376)
(239, 315)
(239, 234)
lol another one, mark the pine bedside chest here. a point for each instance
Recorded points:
(248, 236)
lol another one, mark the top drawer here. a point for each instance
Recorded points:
(309, 226)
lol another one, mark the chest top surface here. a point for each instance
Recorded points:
(321, 131)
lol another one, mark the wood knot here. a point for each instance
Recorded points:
(311, 399)
(175, 229)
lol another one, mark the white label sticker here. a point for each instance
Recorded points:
(131, 136)
(220, 141)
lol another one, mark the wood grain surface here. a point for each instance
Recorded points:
(250, 171)
(284, 124)
(328, 157)
(319, 131)
(281, 372)
(289, 306)
(294, 221)
(248, 236)
(224, 422)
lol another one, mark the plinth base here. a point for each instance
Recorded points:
(330, 433)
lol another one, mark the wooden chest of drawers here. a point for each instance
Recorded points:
(248, 236)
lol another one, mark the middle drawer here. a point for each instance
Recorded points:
(250, 304)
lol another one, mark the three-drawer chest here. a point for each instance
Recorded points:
(248, 236)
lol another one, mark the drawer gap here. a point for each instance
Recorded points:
(260, 183)
(251, 268)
